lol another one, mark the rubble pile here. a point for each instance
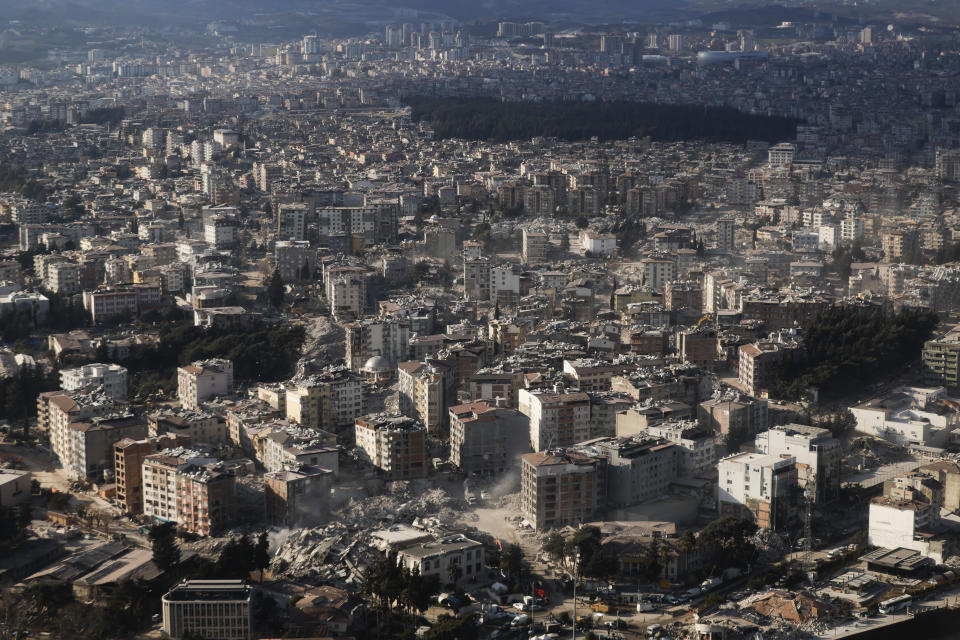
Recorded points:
(323, 343)
(400, 504)
(510, 501)
(770, 546)
(332, 552)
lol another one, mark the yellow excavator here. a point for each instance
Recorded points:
(705, 318)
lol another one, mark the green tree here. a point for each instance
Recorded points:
(237, 559)
(841, 424)
(163, 542)
(449, 627)
(556, 546)
(511, 560)
(582, 222)
(24, 516)
(275, 290)
(261, 554)
(726, 543)
(736, 436)
(418, 590)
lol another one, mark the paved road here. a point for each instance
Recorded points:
(947, 598)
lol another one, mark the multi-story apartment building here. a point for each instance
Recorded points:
(436, 558)
(220, 231)
(557, 419)
(394, 444)
(534, 247)
(679, 295)
(89, 443)
(188, 488)
(203, 380)
(296, 260)
(63, 278)
(490, 384)
(851, 230)
(735, 412)
(761, 485)
(209, 609)
(726, 229)
(590, 375)
(346, 291)
(657, 272)
(898, 244)
(287, 447)
(941, 362)
(298, 496)
(779, 312)
(699, 346)
(817, 454)
(557, 489)
(386, 336)
(330, 399)
(605, 406)
(57, 409)
(638, 468)
(907, 516)
(112, 378)
(476, 278)
(121, 302)
(292, 221)
(478, 439)
(206, 499)
(128, 456)
(201, 427)
(760, 361)
(422, 393)
(540, 201)
(698, 446)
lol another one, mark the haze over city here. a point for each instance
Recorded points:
(462, 321)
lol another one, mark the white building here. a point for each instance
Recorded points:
(909, 415)
(757, 483)
(203, 380)
(602, 244)
(220, 231)
(504, 284)
(829, 236)
(851, 229)
(781, 155)
(805, 240)
(346, 291)
(557, 419)
(658, 272)
(292, 221)
(816, 451)
(209, 609)
(436, 558)
(907, 516)
(112, 377)
(63, 277)
(697, 445)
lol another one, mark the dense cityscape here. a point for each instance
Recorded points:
(460, 329)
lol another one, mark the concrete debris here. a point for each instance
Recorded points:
(340, 552)
(324, 341)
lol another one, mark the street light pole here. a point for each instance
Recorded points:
(576, 566)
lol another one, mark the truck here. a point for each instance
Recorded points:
(710, 584)
(644, 607)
